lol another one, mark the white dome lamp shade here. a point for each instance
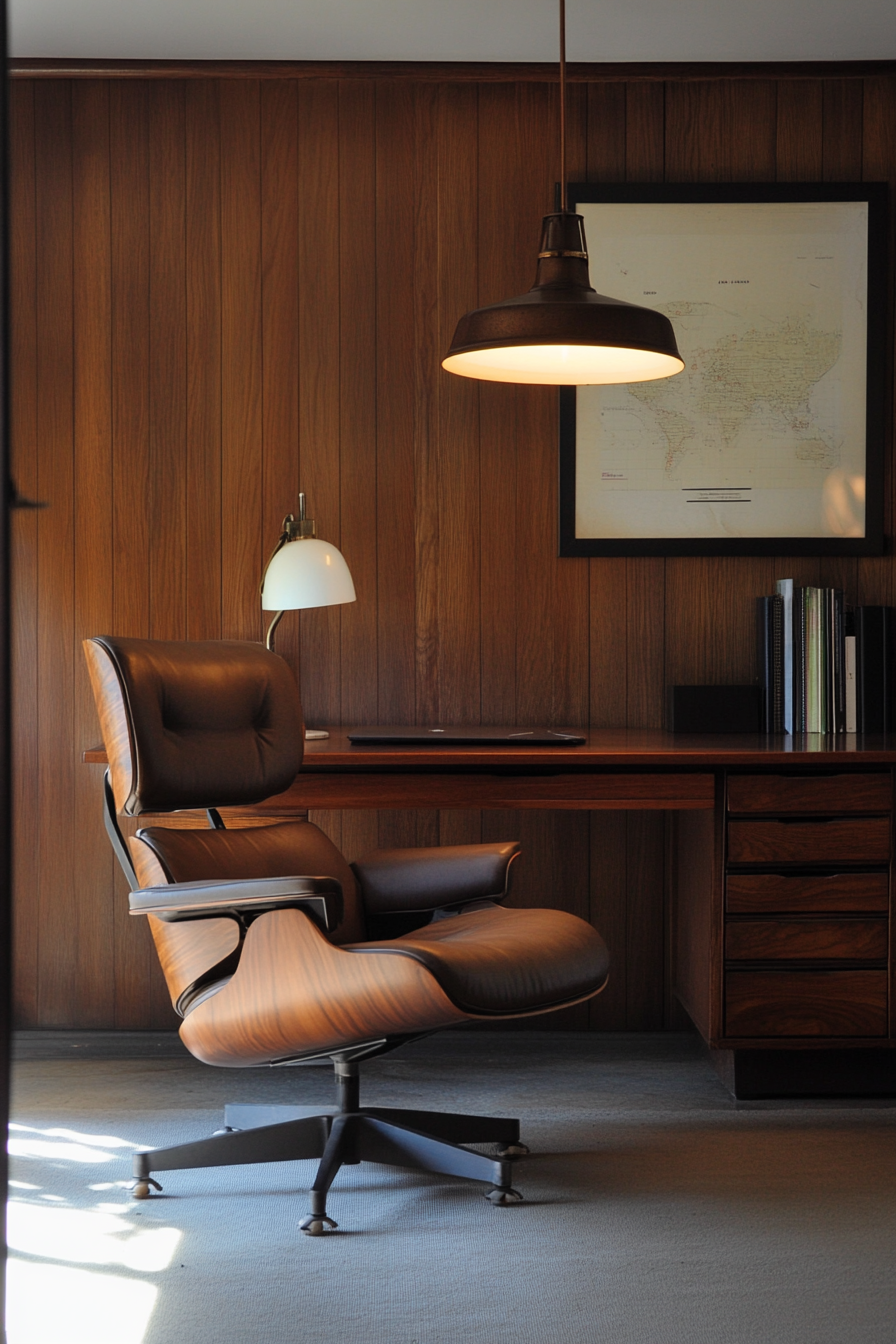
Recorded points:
(303, 572)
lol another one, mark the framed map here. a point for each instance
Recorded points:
(771, 440)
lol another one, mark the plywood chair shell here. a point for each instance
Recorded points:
(294, 993)
(187, 950)
(109, 697)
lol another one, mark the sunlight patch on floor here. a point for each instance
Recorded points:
(52, 1304)
(52, 1298)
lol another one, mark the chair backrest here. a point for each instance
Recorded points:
(216, 723)
(210, 724)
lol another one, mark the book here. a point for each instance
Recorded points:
(799, 660)
(770, 647)
(784, 588)
(813, 655)
(874, 636)
(850, 682)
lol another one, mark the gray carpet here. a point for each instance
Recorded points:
(656, 1210)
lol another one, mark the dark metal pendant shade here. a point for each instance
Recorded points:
(561, 332)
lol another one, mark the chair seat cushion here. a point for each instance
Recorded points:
(498, 961)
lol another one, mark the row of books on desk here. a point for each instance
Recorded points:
(824, 667)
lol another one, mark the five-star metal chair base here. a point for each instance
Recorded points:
(419, 1140)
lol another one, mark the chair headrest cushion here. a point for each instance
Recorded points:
(216, 723)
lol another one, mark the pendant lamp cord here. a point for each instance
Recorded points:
(563, 193)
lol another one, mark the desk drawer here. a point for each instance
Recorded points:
(809, 939)
(862, 840)
(810, 793)
(780, 894)
(805, 1003)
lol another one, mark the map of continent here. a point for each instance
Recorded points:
(763, 433)
(754, 376)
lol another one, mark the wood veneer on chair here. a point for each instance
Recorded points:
(272, 946)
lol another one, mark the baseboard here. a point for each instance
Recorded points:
(28, 1045)
(759, 1075)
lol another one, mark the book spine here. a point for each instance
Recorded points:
(813, 662)
(785, 591)
(763, 662)
(776, 640)
(830, 691)
(799, 660)
(850, 680)
(839, 663)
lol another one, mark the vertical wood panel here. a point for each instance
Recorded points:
(799, 130)
(167, 361)
(395, 242)
(842, 134)
(506, 244)
(92, 919)
(202, 245)
(55, 454)
(318, 259)
(23, 550)
(357, 422)
(241, 359)
(280, 325)
(135, 967)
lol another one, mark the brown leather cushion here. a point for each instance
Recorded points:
(212, 723)
(294, 848)
(496, 960)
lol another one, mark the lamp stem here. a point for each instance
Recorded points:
(269, 637)
(563, 193)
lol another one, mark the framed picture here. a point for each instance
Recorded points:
(771, 440)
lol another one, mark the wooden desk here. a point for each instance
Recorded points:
(781, 856)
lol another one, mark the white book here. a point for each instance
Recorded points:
(850, 661)
(785, 588)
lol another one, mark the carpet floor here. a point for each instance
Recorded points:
(657, 1210)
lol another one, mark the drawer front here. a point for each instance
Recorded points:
(794, 939)
(805, 1003)
(808, 793)
(864, 840)
(776, 893)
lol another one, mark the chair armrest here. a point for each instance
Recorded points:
(399, 881)
(243, 900)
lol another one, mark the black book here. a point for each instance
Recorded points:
(874, 653)
(799, 660)
(776, 616)
(770, 662)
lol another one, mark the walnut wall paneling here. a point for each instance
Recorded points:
(227, 289)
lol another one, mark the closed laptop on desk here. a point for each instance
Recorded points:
(465, 737)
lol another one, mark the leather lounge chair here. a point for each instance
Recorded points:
(275, 950)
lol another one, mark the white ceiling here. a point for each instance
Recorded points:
(455, 30)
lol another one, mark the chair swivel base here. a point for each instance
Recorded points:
(418, 1140)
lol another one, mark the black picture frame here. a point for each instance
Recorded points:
(877, 354)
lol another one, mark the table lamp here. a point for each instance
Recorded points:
(303, 572)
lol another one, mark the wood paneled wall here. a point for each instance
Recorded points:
(228, 289)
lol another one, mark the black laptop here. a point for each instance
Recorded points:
(464, 737)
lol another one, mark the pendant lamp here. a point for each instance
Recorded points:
(562, 332)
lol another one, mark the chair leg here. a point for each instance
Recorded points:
(395, 1146)
(271, 1143)
(453, 1128)
(341, 1147)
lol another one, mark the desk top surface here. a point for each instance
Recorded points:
(638, 747)
(645, 748)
